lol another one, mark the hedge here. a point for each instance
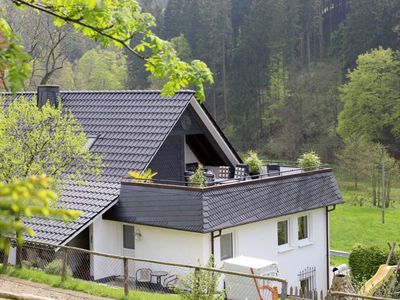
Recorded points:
(364, 261)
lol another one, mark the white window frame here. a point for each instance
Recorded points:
(307, 227)
(134, 237)
(308, 240)
(287, 245)
(232, 233)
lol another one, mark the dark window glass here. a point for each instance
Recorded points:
(226, 246)
(283, 232)
(129, 237)
(303, 228)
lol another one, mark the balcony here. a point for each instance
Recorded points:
(227, 202)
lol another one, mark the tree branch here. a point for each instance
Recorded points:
(67, 19)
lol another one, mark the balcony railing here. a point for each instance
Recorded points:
(213, 179)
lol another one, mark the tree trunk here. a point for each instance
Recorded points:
(373, 185)
(308, 49)
(224, 78)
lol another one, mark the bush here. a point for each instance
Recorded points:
(253, 161)
(201, 284)
(198, 178)
(309, 161)
(364, 261)
(55, 268)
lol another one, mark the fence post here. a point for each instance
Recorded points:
(126, 277)
(284, 290)
(6, 252)
(64, 264)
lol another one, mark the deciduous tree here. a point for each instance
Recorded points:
(118, 22)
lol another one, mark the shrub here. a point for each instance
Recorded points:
(364, 261)
(253, 161)
(144, 177)
(309, 161)
(26, 264)
(200, 284)
(55, 268)
(198, 178)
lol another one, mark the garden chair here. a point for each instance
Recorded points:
(241, 172)
(143, 277)
(223, 172)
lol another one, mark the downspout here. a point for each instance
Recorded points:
(212, 240)
(327, 243)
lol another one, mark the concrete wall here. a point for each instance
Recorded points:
(260, 240)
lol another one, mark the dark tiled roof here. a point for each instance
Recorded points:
(131, 126)
(219, 207)
(245, 203)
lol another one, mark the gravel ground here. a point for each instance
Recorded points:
(15, 285)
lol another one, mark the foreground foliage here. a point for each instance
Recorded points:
(24, 199)
(115, 22)
(49, 141)
(201, 284)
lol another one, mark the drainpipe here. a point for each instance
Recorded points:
(212, 240)
(327, 243)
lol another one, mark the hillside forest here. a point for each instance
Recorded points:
(290, 75)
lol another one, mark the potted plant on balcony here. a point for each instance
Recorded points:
(143, 177)
(254, 163)
(309, 161)
(198, 178)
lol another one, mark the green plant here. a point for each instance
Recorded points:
(364, 261)
(144, 177)
(198, 178)
(55, 268)
(309, 161)
(200, 284)
(26, 264)
(253, 161)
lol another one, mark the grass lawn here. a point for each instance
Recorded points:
(83, 286)
(352, 224)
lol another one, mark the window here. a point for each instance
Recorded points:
(307, 278)
(226, 246)
(283, 232)
(129, 236)
(90, 139)
(302, 227)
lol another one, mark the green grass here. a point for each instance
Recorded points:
(83, 286)
(351, 224)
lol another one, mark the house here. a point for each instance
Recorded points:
(282, 218)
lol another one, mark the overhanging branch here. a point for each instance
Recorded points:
(79, 21)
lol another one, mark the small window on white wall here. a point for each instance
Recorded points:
(302, 227)
(283, 232)
(226, 246)
(129, 236)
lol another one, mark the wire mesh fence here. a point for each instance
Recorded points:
(130, 273)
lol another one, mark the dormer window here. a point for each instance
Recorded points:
(90, 139)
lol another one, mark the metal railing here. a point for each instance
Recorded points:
(136, 274)
(225, 181)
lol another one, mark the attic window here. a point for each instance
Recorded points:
(90, 139)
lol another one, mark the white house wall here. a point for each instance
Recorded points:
(260, 240)
(106, 237)
(257, 240)
(150, 243)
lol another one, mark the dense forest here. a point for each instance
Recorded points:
(278, 64)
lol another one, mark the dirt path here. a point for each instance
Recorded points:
(15, 285)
